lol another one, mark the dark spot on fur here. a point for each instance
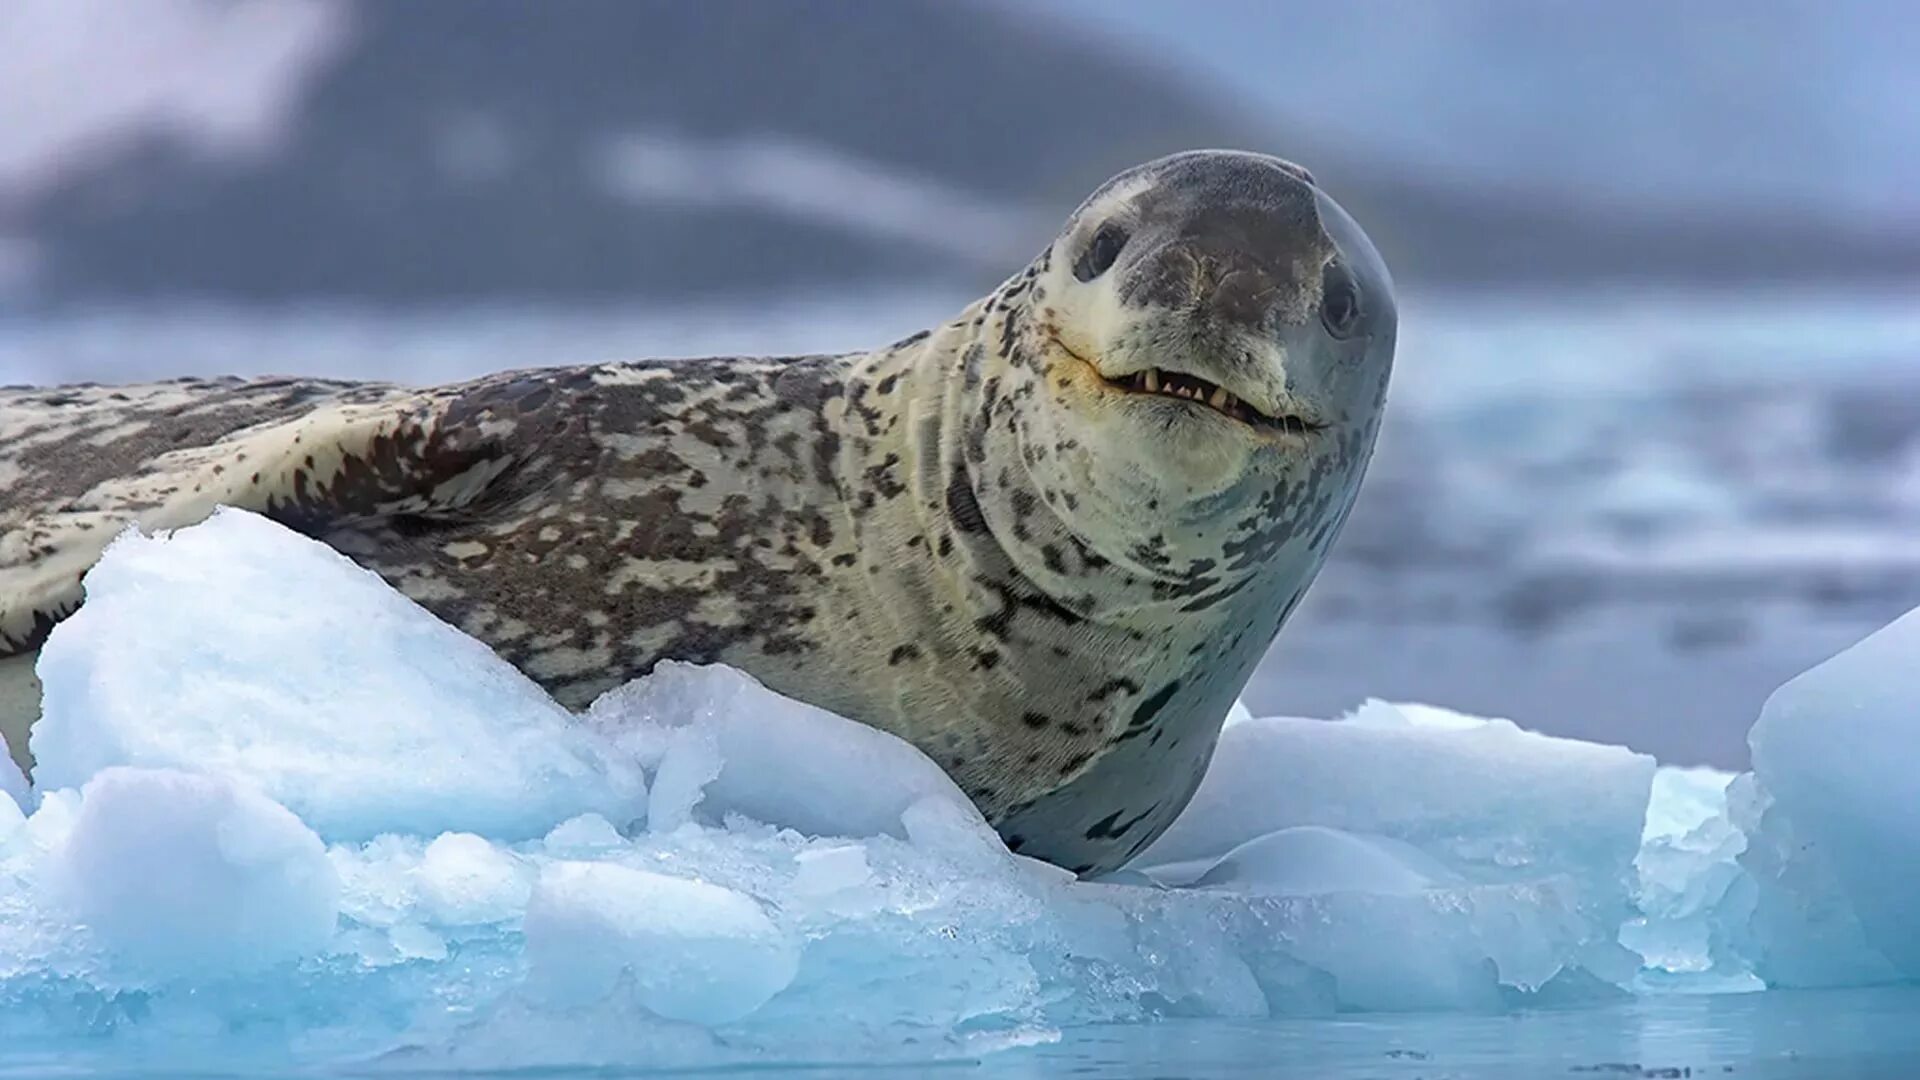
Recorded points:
(1050, 555)
(1143, 716)
(1112, 828)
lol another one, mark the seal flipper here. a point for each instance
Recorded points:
(78, 465)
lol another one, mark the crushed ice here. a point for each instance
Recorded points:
(281, 811)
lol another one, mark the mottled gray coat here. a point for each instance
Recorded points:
(991, 539)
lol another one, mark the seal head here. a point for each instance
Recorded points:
(1193, 382)
(1236, 318)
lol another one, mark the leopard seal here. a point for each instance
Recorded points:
(1046, 542)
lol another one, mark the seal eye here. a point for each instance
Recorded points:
(1101, 252)
(1339, 301)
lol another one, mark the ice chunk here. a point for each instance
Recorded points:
(825, 871)
(1686, 869)
(1684, 799)
(464, 879)
(1837, 787)
(1491, 802)
(1789, 916)
(1311, 860)
(241, 648)
(195, 875)
(722, 743)
(1441, 860)
(932, 943)
(694, 951)
(586, 833)
(1374, 713)
(805, 888)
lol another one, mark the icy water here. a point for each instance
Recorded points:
(1765, 1036)
(1775, 1035)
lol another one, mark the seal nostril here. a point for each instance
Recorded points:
(1101, 252)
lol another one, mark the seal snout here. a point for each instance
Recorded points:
(1243, 270)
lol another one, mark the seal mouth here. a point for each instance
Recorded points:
(1192, 388)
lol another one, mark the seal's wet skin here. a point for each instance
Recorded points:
(1046, 542)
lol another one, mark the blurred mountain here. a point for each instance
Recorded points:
(614, 148)
(601, 149)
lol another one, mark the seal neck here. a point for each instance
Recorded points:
(999, 514)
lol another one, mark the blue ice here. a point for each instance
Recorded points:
(281, 814)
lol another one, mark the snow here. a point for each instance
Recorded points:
(811, 181)
(277, 802)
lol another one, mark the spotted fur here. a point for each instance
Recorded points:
(975, 538)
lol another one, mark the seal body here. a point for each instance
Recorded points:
(1046, 542)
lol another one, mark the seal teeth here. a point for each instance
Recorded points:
(1192, 388)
